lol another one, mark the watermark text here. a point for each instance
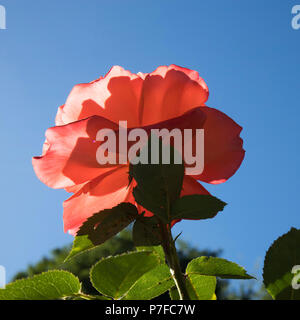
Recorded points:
(2, 277)
(123, 146)
(296, 278)
(296, 18)
(2, 17)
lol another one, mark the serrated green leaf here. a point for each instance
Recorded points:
(102, 226)
(107, 223)
(152, 284)
(158, 185)
(51, 285)
(80, 244)
(281, 258)
(201, 287)
(155, 249)
(146, 232)
(218, 267)
(197, 207)
(114, 276)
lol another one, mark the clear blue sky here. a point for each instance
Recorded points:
(248, 55)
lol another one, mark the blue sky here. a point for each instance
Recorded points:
(248, 55)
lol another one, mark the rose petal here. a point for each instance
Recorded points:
(69, 156)
(104, 192)
(115, 97)
(58, 119)
(223, 147)
(76, 188)
(168, 92)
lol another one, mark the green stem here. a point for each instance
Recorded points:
(173, 261)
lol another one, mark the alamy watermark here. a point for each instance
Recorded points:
(296, 18)
(2, 277)
(296, 278)
(2, 17)
(123, 146)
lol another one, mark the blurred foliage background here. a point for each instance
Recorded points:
(81, 264)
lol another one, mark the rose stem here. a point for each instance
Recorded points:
(173, 261)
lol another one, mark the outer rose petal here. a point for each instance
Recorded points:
(169, 92)
(115, 97)
(104, 192)
(69, 155)
(76, 188)
(58, 118)
(141, 99)
(223, 147)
